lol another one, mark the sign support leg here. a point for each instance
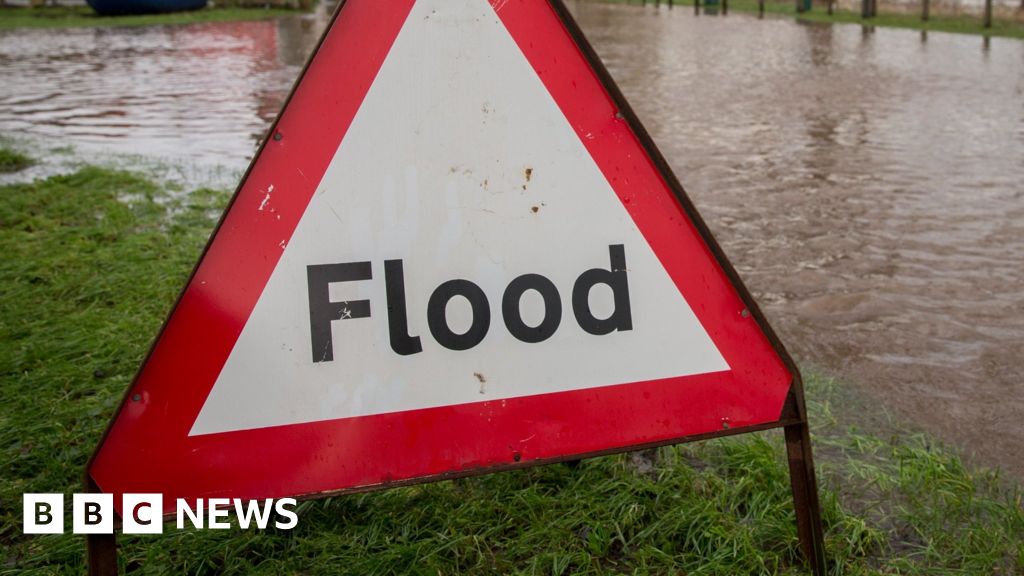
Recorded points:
(805, 495)
(101, 550)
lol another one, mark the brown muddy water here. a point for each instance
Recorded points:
(868, 184)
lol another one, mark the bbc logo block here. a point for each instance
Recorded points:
(144, 513)
(92, 514)
(43, 513)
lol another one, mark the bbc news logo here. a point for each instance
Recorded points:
(143, 513)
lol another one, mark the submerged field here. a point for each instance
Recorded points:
(92, 262)
(74, 16)
(937, 22)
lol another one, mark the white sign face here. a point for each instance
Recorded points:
(459, 165)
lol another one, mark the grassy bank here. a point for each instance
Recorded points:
(92, 262)
(936, 23)
(960, 24)
(13, 161)
(76, 16)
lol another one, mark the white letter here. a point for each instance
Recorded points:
(185, 510)
(92, 514)
(213, 509)
(279, 506)
(253, 510)
(43, 513)
(142, 514)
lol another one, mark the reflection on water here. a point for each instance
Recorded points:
(203, 92)
(868, 184)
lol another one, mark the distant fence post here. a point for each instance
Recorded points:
(760, 8)
(924, 10)
(988, 13)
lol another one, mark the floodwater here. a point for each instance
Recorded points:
(868, 184)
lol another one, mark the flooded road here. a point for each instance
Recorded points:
(869, 185)
(202, 93)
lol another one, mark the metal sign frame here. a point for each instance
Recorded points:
(102, 548)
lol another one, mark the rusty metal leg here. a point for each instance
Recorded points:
(101, 550)
(805, 496)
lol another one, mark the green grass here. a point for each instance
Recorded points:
(92, 262)
(960, 24)
(936, 23)
(73, 16)
(13, 161)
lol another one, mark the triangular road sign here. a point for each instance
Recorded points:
(457, 252)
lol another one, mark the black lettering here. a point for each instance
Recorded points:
(92, 514)
(398, 319)
(621, 317)
(514, 319)
(322, 311)
(437, 318)
(43, 510)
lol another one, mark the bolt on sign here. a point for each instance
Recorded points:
(458, 252)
